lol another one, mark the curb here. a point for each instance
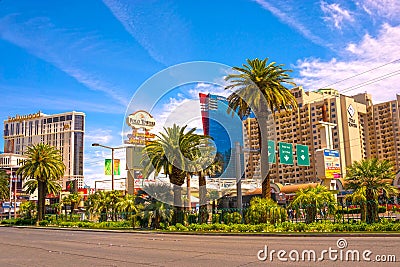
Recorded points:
(297, 234)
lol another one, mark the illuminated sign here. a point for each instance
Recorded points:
(141, 119)
(24, 117)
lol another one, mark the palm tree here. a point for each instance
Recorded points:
(259, 88)
(206, 168)
(52, 187)
(173, 152)
(374, 177)
(44, 164)
(156, 212)
(73, 201)
(4, 182)
(358, 198)
(127, 205)
(313, 199)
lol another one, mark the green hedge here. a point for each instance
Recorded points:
(288, 227)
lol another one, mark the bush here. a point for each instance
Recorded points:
(44, 223)
(232, 217)
(264, 210)
(216, 218)
(192, 218)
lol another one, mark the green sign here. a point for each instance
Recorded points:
(285, 153)
(271, 151)
(108, 167)
(303, 158)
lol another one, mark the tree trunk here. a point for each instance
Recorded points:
(41, 200)
(203, 213)
(264, 163)
(178, 214)
(189, 203)
(371, 213)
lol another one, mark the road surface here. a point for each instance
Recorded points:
(44, 247)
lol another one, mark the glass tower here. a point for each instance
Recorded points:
(225, 128)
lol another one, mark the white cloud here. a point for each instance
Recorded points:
(370, 55)
(388, 9)
(102, 136)
(290, 19)
(335, 14)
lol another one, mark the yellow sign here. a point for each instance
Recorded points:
(24, 117)
(332, 164)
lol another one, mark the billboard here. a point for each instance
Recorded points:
(108, 167)
(332, 164)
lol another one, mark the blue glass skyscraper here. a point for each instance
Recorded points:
(226, 129)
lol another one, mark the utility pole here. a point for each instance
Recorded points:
(238, 179)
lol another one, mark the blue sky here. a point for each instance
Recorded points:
(92, 56)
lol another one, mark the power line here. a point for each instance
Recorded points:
(361, 73)
(371, 81)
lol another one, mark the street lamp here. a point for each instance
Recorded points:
(112, 160)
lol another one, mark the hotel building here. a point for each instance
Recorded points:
(64, 131)
(359, 130)
(225, 129)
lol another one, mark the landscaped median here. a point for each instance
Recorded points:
(285, 227)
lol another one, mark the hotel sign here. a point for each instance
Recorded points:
(351, 111)
(24, 117)
(141, 119)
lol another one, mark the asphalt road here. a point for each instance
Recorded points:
(43, 247)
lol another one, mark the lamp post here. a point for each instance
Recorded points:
(112, 160)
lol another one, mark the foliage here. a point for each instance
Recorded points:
(369, 178)
(260, 88)
(290, 227)
(105, 204)
(154, 213)
(232, 217)
(313, 200)
(216, 218)
(263, 210)
(174, 152)
(44, 163)
(4, 183)
(27, 209)
(71, 200)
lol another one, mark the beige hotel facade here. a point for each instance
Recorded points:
(359, 129)
(65, 131)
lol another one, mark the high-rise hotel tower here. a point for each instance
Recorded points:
(65, 131)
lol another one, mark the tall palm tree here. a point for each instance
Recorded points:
(312, 200)
(260, 88)
(374, 177)
(4, 182)
(52, 187)
(172, 151)
(44, 164)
